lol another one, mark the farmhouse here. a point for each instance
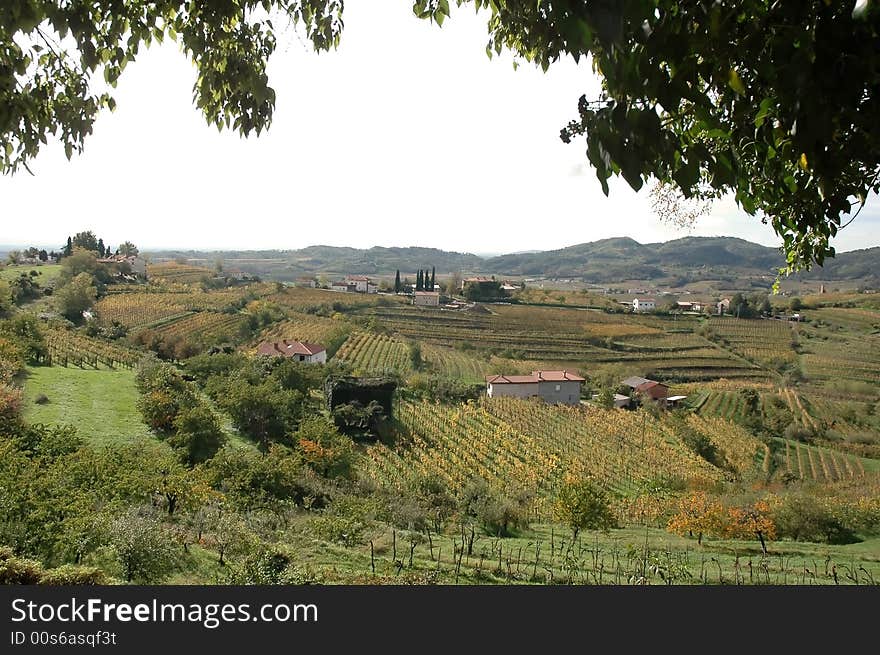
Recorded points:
(137, 264)
(689, 306)
(648, 389)
(303, 352)
(343, 286)
(426, 298)
(362, 284)
(551, 386)
(723, 307)
(644, 304)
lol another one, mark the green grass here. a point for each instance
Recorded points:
(45, 273)
(99, 403)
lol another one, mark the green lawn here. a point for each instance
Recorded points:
(99, 403)
(45, 273)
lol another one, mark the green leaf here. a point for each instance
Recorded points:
(735, 83)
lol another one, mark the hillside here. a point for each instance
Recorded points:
(603, 261)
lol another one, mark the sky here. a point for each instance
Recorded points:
(407, 135)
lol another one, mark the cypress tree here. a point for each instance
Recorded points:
(68, 249)
(433, 279)
(101, 249)
(419, 286)
(397, 282)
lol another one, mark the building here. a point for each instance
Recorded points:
(620, 401)
(723, 307)
(306, 282)
(136, 263)
(689, 306)
(675, 401)
(644, 304)
(426, 298)
(303, 352)
(362, 284)
(551, 386)
(648, 389)
(343, 286)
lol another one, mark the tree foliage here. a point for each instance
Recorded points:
(774, 103)
(583, 505)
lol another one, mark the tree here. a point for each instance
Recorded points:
(13, 256)
(397, 281)
(583, 505)
(453, 285)
(43, 255)
(796, 304)
(752, 520)
(698, 512)
(433, 278)
(68, 249)
(142, 546)
(198, 435)
(127, 249)
(765, 101)
(324, 449)
(76, 296)
(86, 240)
(419, 286)
(102, 251)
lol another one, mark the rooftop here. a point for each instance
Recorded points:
(534, 377)
(289, 348)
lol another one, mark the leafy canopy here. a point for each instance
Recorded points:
(774, 103)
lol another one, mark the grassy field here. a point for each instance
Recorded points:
(45, 273)
(99, 403)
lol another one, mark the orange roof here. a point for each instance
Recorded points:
(534, 377)
(650, 384)
(289, 348)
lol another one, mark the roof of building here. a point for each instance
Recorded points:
(427, 293)
(535, 377)
(650, 384)
(478, 279)
(635, 381)
(644, 300)
(676, 398)
(357, 278)
(289, 348)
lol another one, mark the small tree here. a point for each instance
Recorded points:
(433, 278)
(128, 249)
(700, 513)
(144, 550)
(397, 286)
(583, 505)
(415, 355)
(751, 521)
(197, 435)
(76, 296)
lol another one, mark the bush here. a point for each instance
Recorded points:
(41, 399)
(71, 574)
(804, 518)
(18, 570)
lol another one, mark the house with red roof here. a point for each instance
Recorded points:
(551, 386)
(298, 350)
(646, 389)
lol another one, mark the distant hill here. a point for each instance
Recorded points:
(603, 261)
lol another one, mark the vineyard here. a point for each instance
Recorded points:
(199, 326)
(768, 343)
(573, 339)
(176, 273)
(516, 442)
(305, 327)
(371, 353)
(69, 348)
(807, 462)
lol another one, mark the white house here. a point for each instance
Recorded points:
(343, 286)
(551, 386)
(299, 350)
(426, 298)
(644, 304)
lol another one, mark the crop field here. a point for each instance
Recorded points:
(303, 299)
(202, 325)
(573, 338)
(509, 441)
(304, 327)
(177, 273)
(135, 309)
(765, 342)
(371, 353)
(808, 462)
(71, 348)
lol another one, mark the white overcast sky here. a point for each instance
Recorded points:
(406, 135)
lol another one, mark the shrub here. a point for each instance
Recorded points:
(71, 574)
(18, 570)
